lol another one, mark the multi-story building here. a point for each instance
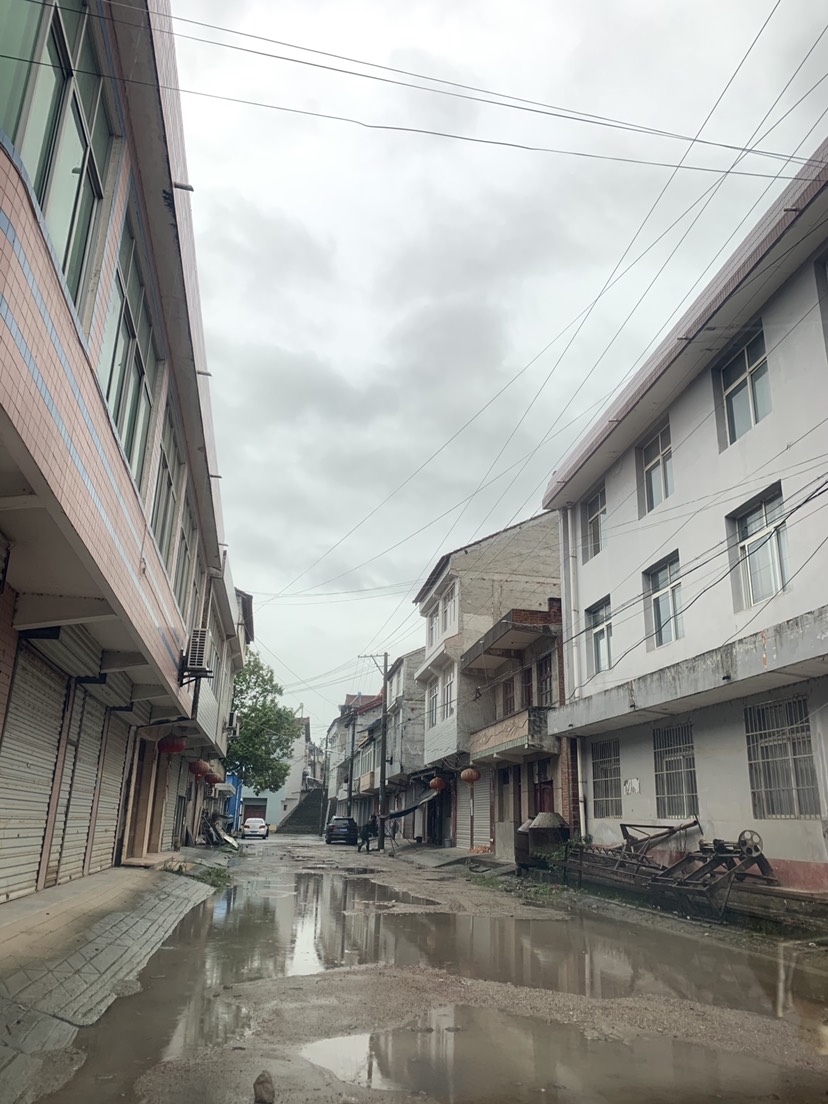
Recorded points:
(353, 775)
(469, 591)
(117, 601)
(304, 775)
(694, 559)
(405, 761)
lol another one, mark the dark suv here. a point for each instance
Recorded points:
(341, 830)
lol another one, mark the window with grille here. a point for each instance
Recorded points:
(545, 693)
(783, 781)
(508, 697)
(675, 772)
(606, 778)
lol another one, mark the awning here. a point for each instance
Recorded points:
(223, 788)
(412, 808)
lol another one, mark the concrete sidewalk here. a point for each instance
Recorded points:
(68, 952)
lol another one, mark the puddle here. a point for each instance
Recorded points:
(304, 923)
(449, 1056)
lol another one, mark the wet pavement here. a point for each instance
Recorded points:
(287, 923)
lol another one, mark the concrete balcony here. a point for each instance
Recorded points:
(367, 783)
(514, 739)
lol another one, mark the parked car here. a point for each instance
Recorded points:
(255, 826)
(342, 830)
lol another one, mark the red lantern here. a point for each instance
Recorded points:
(212, 779)
(470, 775)
(199, 768)
(437, 784)
(172, 745)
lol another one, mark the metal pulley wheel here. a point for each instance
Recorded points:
(750, 843)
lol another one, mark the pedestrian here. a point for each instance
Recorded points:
(365, 834)
(392, 830)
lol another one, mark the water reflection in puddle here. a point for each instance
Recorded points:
(464, 1055)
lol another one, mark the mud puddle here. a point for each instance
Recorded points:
(448, 1055)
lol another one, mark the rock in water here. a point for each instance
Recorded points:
(263, 1089)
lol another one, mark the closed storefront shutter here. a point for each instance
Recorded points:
(463, 822)
(109, 796)
(82, 793)
(69, 759)
(28, 755)
(172, 807)
(482, 810)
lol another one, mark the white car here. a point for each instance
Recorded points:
(255, 826)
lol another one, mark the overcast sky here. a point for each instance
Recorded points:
(365, 292)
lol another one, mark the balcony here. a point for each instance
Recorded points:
(366, 783)
(514, 739)
(508, 637)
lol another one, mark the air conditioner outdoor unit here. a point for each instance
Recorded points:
(197, 651)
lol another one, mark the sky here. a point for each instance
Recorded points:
(407, 331)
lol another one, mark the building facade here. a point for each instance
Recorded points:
(353, 773)
(304, 774)
(467, 593)
(119, 622)
(693, 563)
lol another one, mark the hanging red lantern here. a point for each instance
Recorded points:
(199, 768)
(172, 745)
(212, 779)
(470, 775)
(437, 784)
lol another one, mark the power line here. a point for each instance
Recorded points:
(468, 92)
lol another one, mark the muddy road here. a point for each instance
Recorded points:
(354, 978)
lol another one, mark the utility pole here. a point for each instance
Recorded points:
(351, 764)
(383, 746)
(383, 753)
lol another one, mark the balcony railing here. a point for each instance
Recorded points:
(515, 737)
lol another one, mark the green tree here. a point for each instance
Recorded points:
(260, 755)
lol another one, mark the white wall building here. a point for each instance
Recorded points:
(694, 561)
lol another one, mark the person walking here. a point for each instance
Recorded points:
(365, 834)
(392, 828)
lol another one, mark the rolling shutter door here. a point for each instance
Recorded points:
(170, 808)
(483, 809)
(463, 822)
(84, 779)
(28, 754)
(70, 755)
(109, 798)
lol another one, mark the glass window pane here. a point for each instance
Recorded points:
(652, 485)
(18, 33)
(110, 336)
(72, 13)
(752, 522)
(81, 235)
(65, 182)
(88, 80)
(662, 618)
(651, 451)
(119, 368)
(144, 330)
(134, 290)
(125, 252)
(125, 419)
(756, 349)
(760, 382)
(139, 449)
(761, 569)
(734, 370)
(42, 118)
(667, 464)
(101, 140)
(738, 412)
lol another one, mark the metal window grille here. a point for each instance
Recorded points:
(508, 697)
(675, 772)
(545, 680)
(606, 778)
(783, 781)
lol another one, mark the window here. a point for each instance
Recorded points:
(746, 388)
(675, 772)
(449, 607)
(184, 558)
(545, 693)
(783, 781)
(448, 694)
(665, 601)
(167, 487)
(128, 366)
(432, 698)
(508, 697)
(51, 105)
(600, 633)
(606, 778)
(657, 458)
(432, 628)
(762, 550)
(526, 688)
(595, 516)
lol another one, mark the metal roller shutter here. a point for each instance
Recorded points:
(109, 797)
(171, 806)
(482, 809)
(84, 780)
(463, 817)
(69, 757)
(28, 755)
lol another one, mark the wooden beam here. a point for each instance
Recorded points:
(40, 611)
(121, 661)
